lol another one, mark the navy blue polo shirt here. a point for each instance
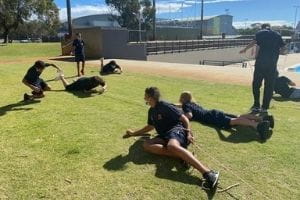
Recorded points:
(164, 117)
(198, 112)
(32, 75)
(79, 47)
(269, 43)
(282, 87)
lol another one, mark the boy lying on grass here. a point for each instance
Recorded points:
(85, 84)
(33, 81)
(221, 120)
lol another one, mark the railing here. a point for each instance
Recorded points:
(163, 47)
(222, 63)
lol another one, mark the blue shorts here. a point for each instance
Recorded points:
(178, 134)
(218, 118)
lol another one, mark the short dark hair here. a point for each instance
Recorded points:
(153, 92)
(97, 80)
(265, 26)
(40, 64)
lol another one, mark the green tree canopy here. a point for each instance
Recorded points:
(16, 12)
(129, 11)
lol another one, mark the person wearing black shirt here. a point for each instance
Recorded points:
(85, 84)
(223, 120)
(33, 81)
(78, 49)
(110, 68)
(270, 45)
(282, 87)
(174, 134)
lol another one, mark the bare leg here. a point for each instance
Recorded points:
(64, 81)
(243, 122)
(82, 69)
(156, 146)
(174, 149)
(78, 73)
(251, 117)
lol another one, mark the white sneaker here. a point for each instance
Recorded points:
(59, 75)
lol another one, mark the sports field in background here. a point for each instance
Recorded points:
(68, 146)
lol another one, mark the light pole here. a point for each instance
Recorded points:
(201, 23)
(154, 20)
(295, 23)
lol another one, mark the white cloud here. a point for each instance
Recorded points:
(84, 10)
(167, 6)
(243, 24)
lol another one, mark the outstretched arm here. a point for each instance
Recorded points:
(251, 44)
(291, 83)
(141, 131)
(186, 124)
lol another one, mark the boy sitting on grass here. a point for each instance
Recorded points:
(33, 81)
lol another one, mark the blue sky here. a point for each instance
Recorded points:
(245, 12)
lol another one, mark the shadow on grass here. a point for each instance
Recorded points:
(16, 106)
(68, 59)
(79, 94)
(281, 99)
(242, 135)
(166, 168)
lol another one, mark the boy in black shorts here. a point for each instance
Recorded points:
(85, 84)
(33, 81)
(110, 68)
(220, 119)
(78, 49)
(174, 134)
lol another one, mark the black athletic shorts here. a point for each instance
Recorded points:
(178, 134)
(79, 58)
(40, 83)
(218, 118)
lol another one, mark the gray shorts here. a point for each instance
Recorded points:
(295, 94)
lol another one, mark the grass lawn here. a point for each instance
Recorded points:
(71, 147)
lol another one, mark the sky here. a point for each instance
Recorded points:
(244, 12)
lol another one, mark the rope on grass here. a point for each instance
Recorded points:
(234, 174)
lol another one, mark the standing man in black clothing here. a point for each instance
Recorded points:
(78, 49)
(282, 87)
(174, 134)
(270, 44)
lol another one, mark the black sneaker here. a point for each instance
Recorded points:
(262, 129)
(211, 180)
(27, 97)
(270, 119)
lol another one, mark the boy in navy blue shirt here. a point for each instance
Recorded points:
(174, 134)
(78, 49)
(33, 81)
(282, 87)
(220, 119)
(270, 44)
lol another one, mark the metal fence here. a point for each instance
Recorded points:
(163, 47)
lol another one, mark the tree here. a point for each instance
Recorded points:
(129, 11)
(16, 12)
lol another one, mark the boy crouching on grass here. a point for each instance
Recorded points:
(33, 81)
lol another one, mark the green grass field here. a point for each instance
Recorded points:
(71, 147)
